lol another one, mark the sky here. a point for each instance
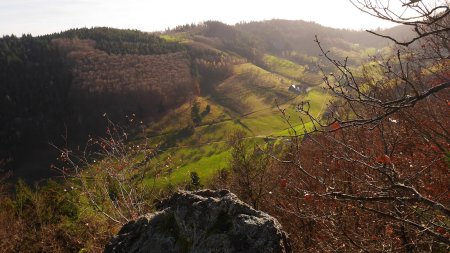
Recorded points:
(39, 17)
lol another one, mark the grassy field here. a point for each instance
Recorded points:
(251, 89)
(284, 67)
(250, 100)
(175, 37)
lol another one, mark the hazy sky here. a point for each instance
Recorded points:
(47, 16)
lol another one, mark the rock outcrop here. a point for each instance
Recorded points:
(200, 222)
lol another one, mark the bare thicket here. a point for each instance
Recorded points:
(376, 171)
(110, 173)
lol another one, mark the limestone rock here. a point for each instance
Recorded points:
(202, 222)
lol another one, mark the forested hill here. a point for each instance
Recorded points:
(66, 81)
(115, 41)
(298, 35)
(281, 36)
(61, 84)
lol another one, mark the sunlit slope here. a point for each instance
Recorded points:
(205, 151)
(305, 74)
(251, 100)
(251, 89)
(284, 67)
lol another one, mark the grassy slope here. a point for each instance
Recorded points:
(246, 101)
(284, 67)
(249, 100)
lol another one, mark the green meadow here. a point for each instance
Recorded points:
(251, 100)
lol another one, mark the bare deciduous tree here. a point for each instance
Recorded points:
(373, 174)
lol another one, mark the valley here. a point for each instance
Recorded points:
(242, 73)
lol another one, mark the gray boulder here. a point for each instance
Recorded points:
(202, 222)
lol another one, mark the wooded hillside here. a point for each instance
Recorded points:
(63, 83)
